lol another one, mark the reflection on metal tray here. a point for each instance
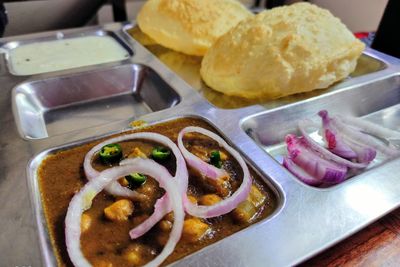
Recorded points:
(188, 68)
(54, 106)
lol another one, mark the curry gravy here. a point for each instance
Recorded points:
(61, 175)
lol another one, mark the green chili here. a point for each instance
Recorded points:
(110, 153)
(160, 153)
(215, 159)
(135, 179)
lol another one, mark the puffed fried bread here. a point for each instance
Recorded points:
(279, 52)
(189, 26)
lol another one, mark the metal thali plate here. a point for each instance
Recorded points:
(286, 238)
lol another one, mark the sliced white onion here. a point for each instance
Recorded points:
(83, 201)
(371, 128)
(205, 169)
(118, 190)
(161, 208)
(227, 204)
(303, 124)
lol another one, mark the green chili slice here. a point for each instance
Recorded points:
(110, 153)
(160, 153)
(135, 179)
(215, 159)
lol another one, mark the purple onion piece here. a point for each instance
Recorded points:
(365, 154)
(312, 162)
(300, 173)
(335, 142)
(325, 153)
(359, 137)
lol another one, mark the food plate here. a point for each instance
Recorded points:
(287, 237)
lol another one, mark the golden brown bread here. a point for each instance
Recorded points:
(141, 37)
(189, 26)
(282, 51)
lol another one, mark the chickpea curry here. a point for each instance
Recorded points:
(105, 226)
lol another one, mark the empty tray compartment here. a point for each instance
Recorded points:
(378, 101)
(55, 106)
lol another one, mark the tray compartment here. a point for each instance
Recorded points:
(9, 46)
(36, 197)
(54, 106)
(378, 101)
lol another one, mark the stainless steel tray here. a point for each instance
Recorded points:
(307, 221)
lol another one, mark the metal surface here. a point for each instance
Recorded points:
(58, 105)
(308, 220)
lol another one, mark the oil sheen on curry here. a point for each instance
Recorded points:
(96, 217)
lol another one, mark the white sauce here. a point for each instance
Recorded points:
(65, 54)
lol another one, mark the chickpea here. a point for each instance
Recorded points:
(194, 230)
(134, 254)
(165, 225)
(119, 210)
(137, 153)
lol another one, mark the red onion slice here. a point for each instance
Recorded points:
(311, 162)
(83, 201)
(364, 139)
(300, 173)
(334, 141)
(303, 124)
(118, 190)
(227, 204)
(364, 153)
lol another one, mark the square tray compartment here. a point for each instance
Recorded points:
(8, 46)
(54, 106)
(378, 101)
(43, 231)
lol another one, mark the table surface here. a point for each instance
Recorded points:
(376, 245)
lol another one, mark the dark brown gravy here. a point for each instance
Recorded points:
(61, 176)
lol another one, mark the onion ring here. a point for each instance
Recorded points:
(83, 200)
(118, 190)
(162, 207)
(227, 204)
